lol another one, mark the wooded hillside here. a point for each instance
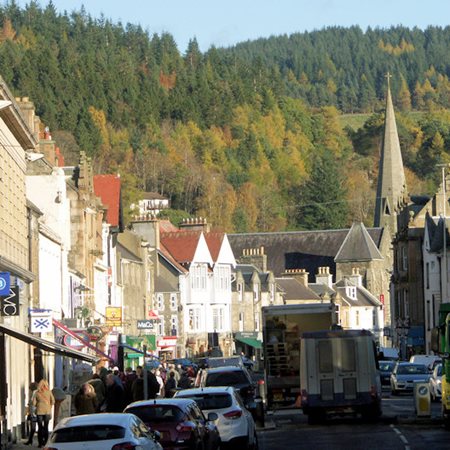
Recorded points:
(248, 136)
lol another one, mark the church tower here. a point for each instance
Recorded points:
(391, 189)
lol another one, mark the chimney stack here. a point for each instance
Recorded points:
(324, 276)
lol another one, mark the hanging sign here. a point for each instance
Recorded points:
(5, 283)
(10, 303)
(41, 323)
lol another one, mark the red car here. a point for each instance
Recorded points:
(180, 422)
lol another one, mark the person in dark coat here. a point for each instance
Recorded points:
(86, 400)
(171, 385)
(137, 388)
(184, 382)
(115, 394)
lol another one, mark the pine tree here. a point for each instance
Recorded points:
(322, 201)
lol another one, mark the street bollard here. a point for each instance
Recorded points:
(422, 399)
(259, 412)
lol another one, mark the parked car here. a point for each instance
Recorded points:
(180, 422)
(236, 376)
(184, 363)
(405, 374)
(105, 431)
(436, 382)
(386, 368)
(235, 423)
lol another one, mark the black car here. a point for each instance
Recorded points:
(235, 376)
(386, 368)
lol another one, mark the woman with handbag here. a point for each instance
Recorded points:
(31, 416)
(43, 401)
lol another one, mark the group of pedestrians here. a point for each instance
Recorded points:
(107, 391)
(112, 390)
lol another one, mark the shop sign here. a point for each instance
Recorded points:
(114, 316)
(10, 304)
(145, 325)
(41, 323)
(5, 284)
(73, 342)
(167, 341)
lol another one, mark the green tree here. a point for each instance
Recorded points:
(322, 200)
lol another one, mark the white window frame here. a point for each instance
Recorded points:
(194, 315)
(161, 327)
(160, 302)
(241, 321)
(173, 302)
(218, 318)
(174, 324)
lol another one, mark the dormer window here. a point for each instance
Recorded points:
(351, 292)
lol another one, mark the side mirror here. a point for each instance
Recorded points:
(435, 340)
(156, 435)
(212, 416)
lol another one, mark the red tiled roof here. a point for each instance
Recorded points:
(166, 226)
(181, 244)
(107, 187)
(165, 252)
(214, 241)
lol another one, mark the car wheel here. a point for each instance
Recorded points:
(254, 445)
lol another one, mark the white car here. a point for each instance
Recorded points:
(106, 431)
(436, 383)
(235, 423)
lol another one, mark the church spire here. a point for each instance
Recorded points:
(391, 189)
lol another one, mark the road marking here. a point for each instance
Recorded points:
(401, 436)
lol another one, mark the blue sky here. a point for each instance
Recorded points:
(226, 22)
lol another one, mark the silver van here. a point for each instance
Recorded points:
(339, 374)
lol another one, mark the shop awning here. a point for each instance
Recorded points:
(249, 341)
(48, 346)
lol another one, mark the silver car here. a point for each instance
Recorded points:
(436, 383)
(405, 374)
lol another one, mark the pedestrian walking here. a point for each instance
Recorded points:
(100, 389)
(43, 400)
(31, 416)
(115, 394)
(86, 400)
(171, 385)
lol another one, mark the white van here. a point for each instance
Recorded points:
(427, 360)
(339, 374)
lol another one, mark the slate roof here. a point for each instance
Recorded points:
(358, 246)
(435, 227)
(363, 296)
(322, 290)
(247, 271)
(163, 285)
(108, 188)
(307, 250)
(293, 289)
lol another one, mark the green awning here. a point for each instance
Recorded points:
(249, 341)
(133, 355)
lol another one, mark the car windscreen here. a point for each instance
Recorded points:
(230, 378)
(386, 366)
(412, 369)
(157, 413)
(220, 362)
(87, 433)
(211, 401)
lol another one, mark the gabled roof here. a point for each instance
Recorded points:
(165, 254)
(307, 250)
(293, 290)
(181, 245)
(248, 271)
(214, 241)
(363, 296)
(358, 246)
(108, 188)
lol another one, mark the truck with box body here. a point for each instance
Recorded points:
(339, 374)
(282, 328)
(440, 344)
